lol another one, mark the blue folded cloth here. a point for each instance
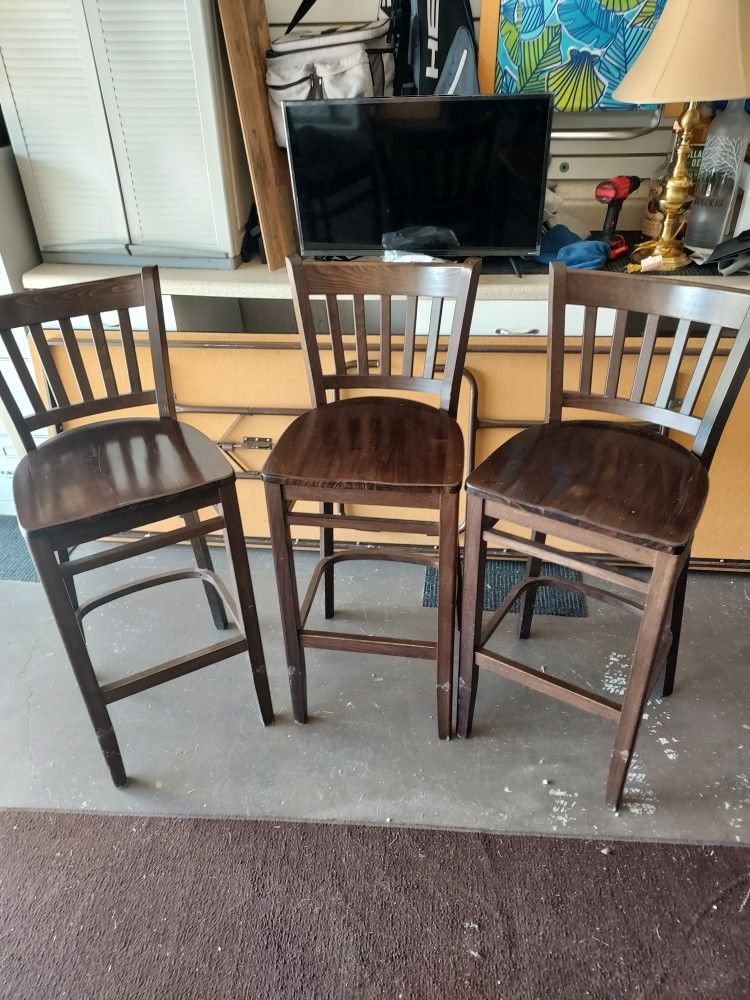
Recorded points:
(588, 255)
(553, 241)
(560, 243)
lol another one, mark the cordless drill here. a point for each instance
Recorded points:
(613, 193)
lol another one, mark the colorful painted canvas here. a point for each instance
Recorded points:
(578, 50)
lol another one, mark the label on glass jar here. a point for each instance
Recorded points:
(653, 216)
(693, 164)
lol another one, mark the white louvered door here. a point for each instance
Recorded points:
(52, 106)
(158, 64)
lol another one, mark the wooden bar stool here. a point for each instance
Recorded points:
(628, 492)
(373, 450)
(95, 480)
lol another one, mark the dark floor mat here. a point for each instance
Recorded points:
(502, 574)
(15, 561)
(118, 907)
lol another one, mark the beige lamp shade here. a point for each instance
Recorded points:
(698, 51)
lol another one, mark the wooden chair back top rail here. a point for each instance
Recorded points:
(48, 305)
(32, 309)
(377, 278)
(354, 283)
(723, 348)
(659, 295)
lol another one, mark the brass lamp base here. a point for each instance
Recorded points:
(675, 199)
(672, 254)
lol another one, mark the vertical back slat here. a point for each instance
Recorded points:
(724, 396)
(385, 335)
(76, 361)
(48, 365)
(360, 334)
(24, 375)
(556, 340)
(645, 357)
(158, 342)
(102, 353)
(674, 361)
(615, 354)
(128, 347)
(17, 428)
(587, 349)
(433, 336)
(455, 356)
(334, 328)
(702, 365)
(410, 333)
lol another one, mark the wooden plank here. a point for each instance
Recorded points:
(76, 361)
(128, 346)
(360, 333)
(385, 335)
(102, 352)
(382, 645)
(559, 689)
(645, 357)
(179, 667)
(247, 38)
(334, 328)
(489, 25)
(48, 365)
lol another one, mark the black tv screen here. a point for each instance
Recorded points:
(442, 175)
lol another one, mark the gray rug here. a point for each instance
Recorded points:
(502, 574)
(15, 561)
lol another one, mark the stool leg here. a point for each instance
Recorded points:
(326, 549)
(528, 597)
(286, 581)
(448, 540)
(63, 556)
(239, 568)
(475, 553)
(203, 561)
(658, 601)
(72, 636)
(678, 607)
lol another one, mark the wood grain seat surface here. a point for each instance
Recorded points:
(377, 443)
(115, 465)
(594, 474)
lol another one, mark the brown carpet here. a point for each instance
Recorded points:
(121, 907)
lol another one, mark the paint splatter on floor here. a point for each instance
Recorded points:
(563, 807)
(641, 798)
(616, 674)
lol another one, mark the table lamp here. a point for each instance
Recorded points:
(698, 51)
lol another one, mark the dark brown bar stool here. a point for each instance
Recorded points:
(97, 479)
(626, 491)
(373, 450)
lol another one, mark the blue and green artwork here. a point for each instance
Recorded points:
(578, 50)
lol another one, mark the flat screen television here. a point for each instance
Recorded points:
(450, 176)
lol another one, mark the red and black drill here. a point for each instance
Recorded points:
(613, 193)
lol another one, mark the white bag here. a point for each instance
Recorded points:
(342, 62)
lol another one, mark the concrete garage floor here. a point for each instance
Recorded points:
(370, 752)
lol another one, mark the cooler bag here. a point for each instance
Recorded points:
(350, 61)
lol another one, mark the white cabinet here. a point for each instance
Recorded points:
(123, 125)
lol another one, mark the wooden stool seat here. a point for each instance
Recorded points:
(374, 450)
(371, 443)
(118, 465)
(610, 492)
(93, 481)
(623, 482)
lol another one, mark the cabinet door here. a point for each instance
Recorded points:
(52, 105)
(160, 71)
